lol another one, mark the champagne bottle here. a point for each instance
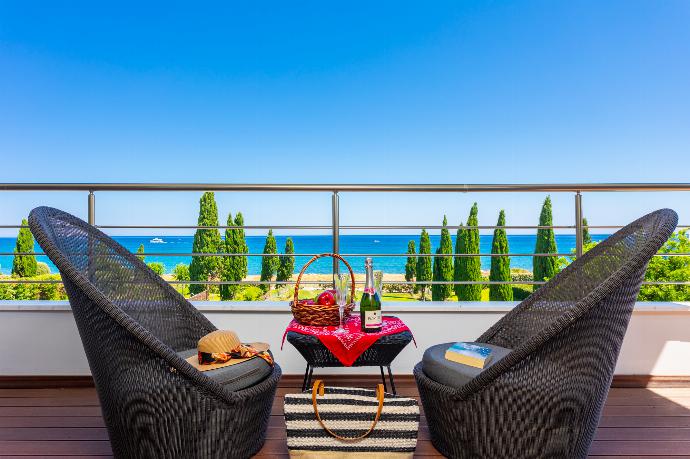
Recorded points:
(370, 305)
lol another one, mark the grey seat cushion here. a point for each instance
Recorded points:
(455, 374)
(238, 376)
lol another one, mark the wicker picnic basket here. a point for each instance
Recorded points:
(318, 314)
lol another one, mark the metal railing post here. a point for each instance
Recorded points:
(578, 224)
(92, 208)
(335, 208)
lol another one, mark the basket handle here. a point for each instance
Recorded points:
(319, 388)
(316, 257)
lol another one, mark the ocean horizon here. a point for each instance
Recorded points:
(349, 244)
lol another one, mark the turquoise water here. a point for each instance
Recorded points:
(350, 244)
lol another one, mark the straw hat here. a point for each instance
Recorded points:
(222, 343)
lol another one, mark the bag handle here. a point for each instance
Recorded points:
(319, 388)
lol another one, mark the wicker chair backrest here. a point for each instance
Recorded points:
(116, 280)
(620, 259)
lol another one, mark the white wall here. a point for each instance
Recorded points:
(40, 338)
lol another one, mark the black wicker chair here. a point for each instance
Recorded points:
(544, 399)
(132, 325)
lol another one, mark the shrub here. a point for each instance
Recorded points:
(521, 276)
(7, 292)
(181, 272)
(47, 291)
(399, 288)
(250, 293)
(522, 291)
(672, 268)
(157, 267)
(42, 269)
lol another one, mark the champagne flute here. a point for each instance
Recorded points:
(378, 282)
(342, 284)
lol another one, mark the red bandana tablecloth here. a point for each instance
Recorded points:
(347, 347)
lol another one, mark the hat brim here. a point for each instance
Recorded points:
(194, 360)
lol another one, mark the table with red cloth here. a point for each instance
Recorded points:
(323, 347)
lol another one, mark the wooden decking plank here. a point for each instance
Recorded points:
(667, 410)
(51, 456)
(52, 421)
(645, 421)
(54, 401)
(52, 433)
(38, 447)
(632, 448)
(47, 393)
(643, 433)
(66, 411)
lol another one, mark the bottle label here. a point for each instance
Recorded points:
(372, 319)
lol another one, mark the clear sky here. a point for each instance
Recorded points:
(353, 92)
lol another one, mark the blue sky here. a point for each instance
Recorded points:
(393, 92)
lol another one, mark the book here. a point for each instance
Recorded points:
(469, 354)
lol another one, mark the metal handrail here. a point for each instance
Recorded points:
(416, 188)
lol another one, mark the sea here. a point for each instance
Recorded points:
(349, 244)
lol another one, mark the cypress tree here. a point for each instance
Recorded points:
(269, 264)
(544, 268)
(436, 276)
(443, 266)
(229, 272)
(241, 244)
(411, 264)
(24, 265)
(459, 268)
(140, 252)
(500, 266)
(469, 268)
(235, 267)
(204, 268)
(286, 262)
(586, 238)
(423, 270)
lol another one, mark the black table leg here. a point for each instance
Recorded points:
(311, 372)
(304, 381)
(383, 378)
(390, 375)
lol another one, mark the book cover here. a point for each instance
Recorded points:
(469, 354)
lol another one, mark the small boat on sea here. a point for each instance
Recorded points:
(157, 240)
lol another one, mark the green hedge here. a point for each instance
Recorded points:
(48, 291)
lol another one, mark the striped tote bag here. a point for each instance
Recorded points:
(335, 422)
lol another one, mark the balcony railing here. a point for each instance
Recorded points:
(576, 189)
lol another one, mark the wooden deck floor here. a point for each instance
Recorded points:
(641, 423)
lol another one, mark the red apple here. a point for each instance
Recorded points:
(308, 301)
(326, 298)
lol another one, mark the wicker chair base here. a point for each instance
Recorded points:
(501, 425)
